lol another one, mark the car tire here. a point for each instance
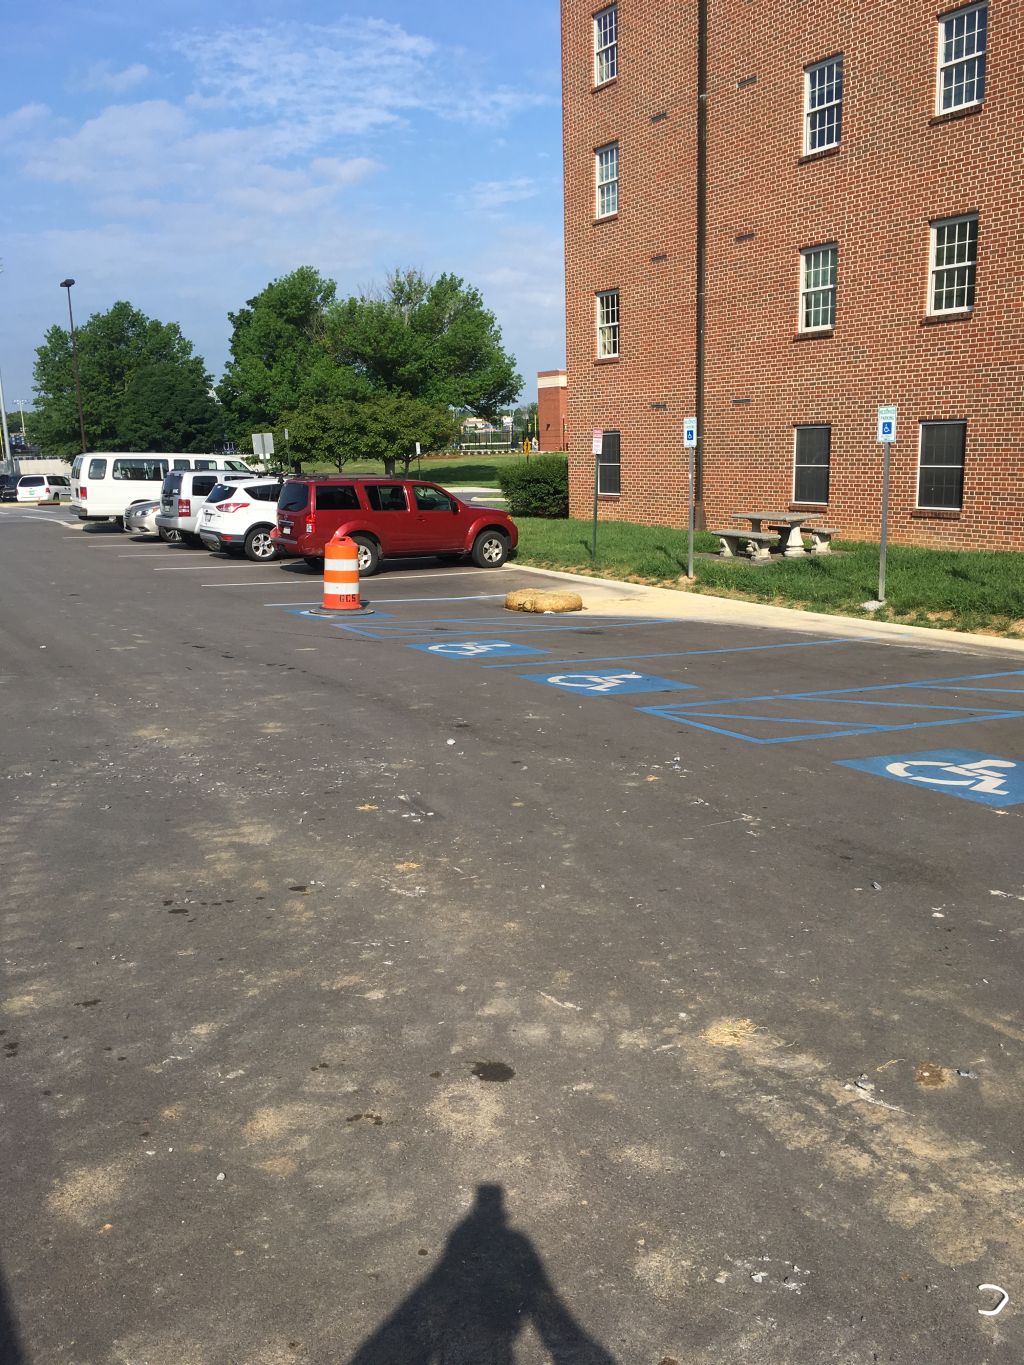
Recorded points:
(258, 546)
(170, 535)
(368, 555)
(317, 565)
(490, 549)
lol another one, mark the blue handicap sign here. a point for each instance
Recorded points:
(606, 682)
(973, 776)
(886, 428)
(477, 649)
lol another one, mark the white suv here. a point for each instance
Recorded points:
(241, 516)
(44, 488)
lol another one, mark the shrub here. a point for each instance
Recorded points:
(538, 487)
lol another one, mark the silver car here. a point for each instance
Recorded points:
(140, 520)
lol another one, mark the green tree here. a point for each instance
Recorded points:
(432, 340)
(114, 349)
(321, 433)
(279, 357)
(168, 407)
(394, 422)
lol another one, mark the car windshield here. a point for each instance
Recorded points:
(294, 497)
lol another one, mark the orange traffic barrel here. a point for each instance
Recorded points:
(341, 574)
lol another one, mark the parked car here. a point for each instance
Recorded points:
(35, 488)
(183, 493)
(389, 517)
(140, 520)
(105, 485)
(238, 518)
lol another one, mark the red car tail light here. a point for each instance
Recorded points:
(82, 491)
(184, 507)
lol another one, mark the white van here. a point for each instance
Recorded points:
(105, 485)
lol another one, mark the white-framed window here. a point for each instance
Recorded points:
(823, 104)
(608, 324)
(963, 39)
(606, 44)
(606, 178)
(940, 466)
(818, 288)
(811, 458)
(954, 264)
(609, 472)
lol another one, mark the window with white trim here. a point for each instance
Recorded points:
(609, 476)
(812, 454)
(608, 324)
(818, 288)
(963, 39)
(954, 264)
(823, 104)
(940, 470)
(606, 44)
(606, 176)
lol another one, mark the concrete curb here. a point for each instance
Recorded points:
(619, 598)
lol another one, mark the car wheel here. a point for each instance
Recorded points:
(317, 565)
(490, 549)
(169, 534)
(258, 546)
(368, 555)
(118, 523)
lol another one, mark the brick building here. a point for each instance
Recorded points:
(857, 226)
(552, 411)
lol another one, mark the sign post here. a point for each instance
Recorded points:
(596, 446)
(690, 445)
(885, 437)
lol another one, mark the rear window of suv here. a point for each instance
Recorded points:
(294, 497)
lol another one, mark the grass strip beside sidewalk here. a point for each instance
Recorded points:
(979, 590)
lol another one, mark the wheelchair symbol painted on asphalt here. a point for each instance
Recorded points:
(605, 681)
(983, 778)
(477, 649)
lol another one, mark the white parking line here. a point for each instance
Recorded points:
(250, 583)
(194, 568)
(471, 597)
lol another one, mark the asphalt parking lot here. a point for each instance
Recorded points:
(450, 985)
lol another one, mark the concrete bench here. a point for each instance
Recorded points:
(761, 543)
(821, 538)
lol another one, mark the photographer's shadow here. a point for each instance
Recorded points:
(488, 1286)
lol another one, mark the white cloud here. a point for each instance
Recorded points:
(102, 77)
(489, 195)
(25, 122)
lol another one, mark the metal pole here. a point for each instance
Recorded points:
(689, 534)
(885, 521)
(593, 536)
(21, 409)
(66, 284)
(3, 422)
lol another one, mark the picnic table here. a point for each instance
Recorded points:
(784, 527)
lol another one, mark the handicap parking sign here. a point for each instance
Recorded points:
(606, 682)
(984, 778)
(477, 649)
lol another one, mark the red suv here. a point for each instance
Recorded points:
(389, 517)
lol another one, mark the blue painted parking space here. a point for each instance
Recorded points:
(477, 649)
(607, 682)
(836, 713)
(964, 773)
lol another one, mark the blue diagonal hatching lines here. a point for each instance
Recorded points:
(699, 714)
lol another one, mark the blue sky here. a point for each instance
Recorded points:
(182, 154)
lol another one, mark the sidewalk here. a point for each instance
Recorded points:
(615, 598)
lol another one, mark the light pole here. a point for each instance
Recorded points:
(21, 409)
(6, 435)
(66, 284)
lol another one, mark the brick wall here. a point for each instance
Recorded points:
(552, 412)
(898, 168)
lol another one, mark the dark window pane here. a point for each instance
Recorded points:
(811, 466)
(941, 476)
(608, 472)
(294, 497)
(339, 497)
(812, 445)
(811, 484)
(387, 497)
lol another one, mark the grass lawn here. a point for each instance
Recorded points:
(959, 590)
(478, 470)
